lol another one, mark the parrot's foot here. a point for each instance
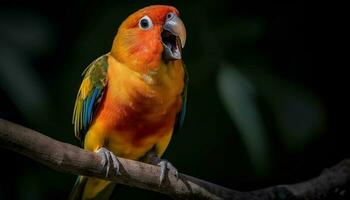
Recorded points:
(165, 165)
(109, 160)
(152, 158)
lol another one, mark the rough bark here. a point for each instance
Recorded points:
(71, 159)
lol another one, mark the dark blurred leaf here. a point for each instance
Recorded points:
(23, 36)
(22, 84)
(238, 95)
(298, 112)
(26, 32)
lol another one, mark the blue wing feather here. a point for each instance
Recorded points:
(89, 95)
(94, 96)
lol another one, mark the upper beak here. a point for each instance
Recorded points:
(173, 37)
(175, 26)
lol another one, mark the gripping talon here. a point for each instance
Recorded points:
(164, 166)
(152, 158)
(109, 160)
(116, 163)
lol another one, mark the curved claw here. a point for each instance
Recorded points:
(164, 165)
(116, 163)
(108, 160)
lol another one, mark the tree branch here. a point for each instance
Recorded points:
(71, 159)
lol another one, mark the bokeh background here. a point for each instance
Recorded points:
(264, 108)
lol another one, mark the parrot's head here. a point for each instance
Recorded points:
(148, 37)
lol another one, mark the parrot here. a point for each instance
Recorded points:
(133, 98)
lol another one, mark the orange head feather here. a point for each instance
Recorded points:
(138, 43)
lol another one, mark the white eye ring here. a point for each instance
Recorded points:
(145, 23)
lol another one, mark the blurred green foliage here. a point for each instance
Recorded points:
(252, 119)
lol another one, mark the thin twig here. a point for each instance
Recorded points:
(71, 159)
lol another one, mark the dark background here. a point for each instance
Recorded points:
(267, 98)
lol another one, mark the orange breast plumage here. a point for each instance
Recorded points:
(138, 111)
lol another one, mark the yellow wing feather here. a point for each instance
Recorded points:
(90, 91)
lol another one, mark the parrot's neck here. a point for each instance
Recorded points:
(154, 87)
(150, 77)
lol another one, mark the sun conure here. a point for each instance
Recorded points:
(133, 99)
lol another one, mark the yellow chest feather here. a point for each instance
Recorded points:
(138, 111)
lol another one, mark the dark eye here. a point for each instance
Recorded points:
(145, 23)
(169, 15)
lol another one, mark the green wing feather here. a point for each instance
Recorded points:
(180, 117)
(89, 95)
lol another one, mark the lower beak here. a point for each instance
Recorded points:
(173, 38)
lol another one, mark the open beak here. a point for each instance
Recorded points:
(173, 37)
